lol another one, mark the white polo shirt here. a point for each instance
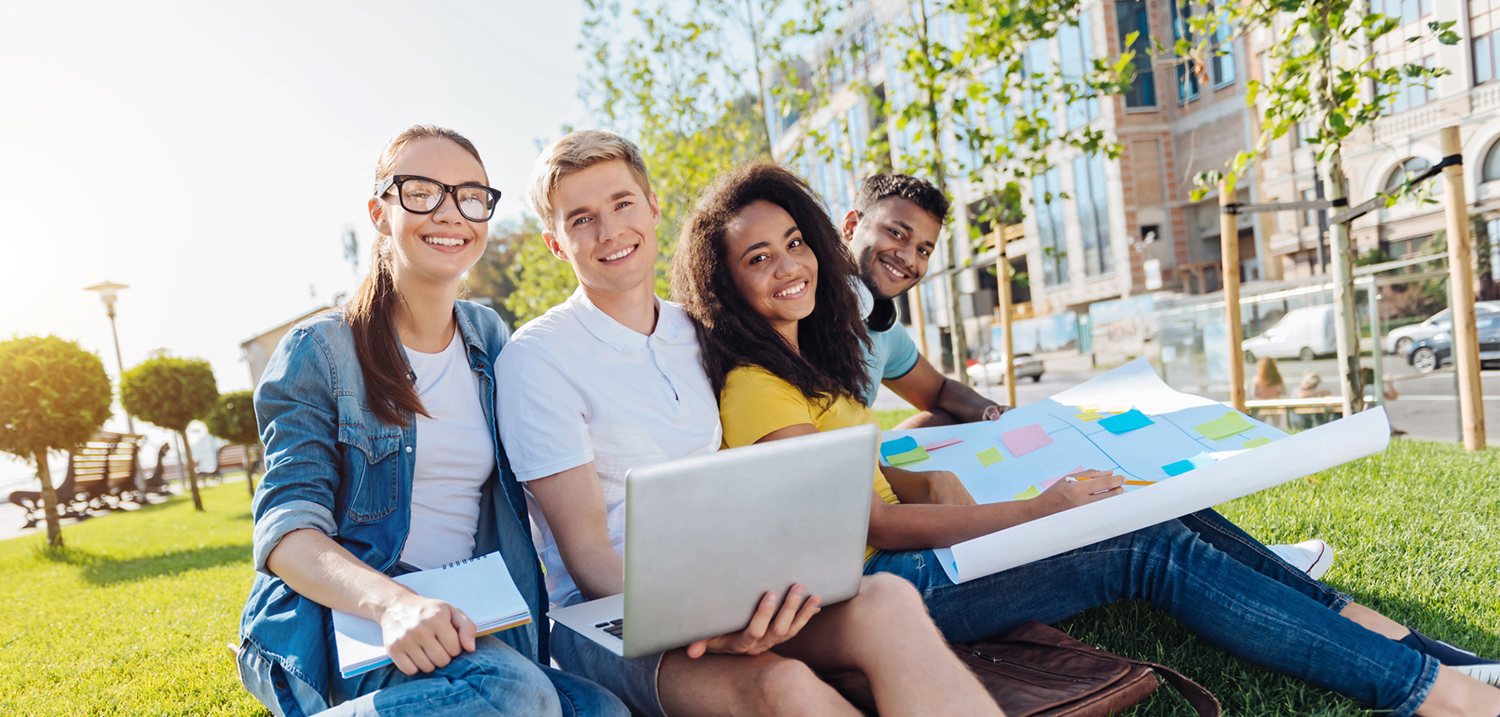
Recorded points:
(576, 386)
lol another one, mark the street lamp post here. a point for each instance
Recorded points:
(107, 293)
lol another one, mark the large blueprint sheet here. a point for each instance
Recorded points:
(1174, 465)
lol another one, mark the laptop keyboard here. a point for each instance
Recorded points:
(613, 627)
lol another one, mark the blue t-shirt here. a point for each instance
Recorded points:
(893, 354)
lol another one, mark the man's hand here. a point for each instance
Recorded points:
(1083, 488)
(422, 634)
(768, 627)
(992, 412)
(944, 488)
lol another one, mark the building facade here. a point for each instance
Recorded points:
(1095, 228)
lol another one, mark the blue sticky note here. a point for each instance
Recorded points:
(1178, 468)
(1126, 422)
(901, 445)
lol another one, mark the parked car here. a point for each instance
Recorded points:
(1304, 333)
(1399, 341)
(990, 369)
(1428, 355)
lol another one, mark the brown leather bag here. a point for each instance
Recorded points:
(1038, 671)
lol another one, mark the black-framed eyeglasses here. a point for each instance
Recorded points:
(420, 195)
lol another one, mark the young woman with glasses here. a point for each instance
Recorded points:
(381, 458)
(763, 271)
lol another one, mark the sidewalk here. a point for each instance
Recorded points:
(12, 517)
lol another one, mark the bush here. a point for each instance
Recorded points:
(233, 419)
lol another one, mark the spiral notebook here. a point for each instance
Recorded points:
(481, 587)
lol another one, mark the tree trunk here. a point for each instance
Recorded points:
(190, 470)
(249, 469)
(49, 501)
(1346, 322)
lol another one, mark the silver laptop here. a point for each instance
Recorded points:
(706, 537)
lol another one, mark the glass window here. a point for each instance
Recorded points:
(1131, 16)
(1046, 190)
(1484, 58)
(1223, 60)
(1187, 82)
(1309, 216)
(1090, 194)
(1491, 171)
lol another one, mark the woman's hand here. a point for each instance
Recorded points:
(944, 488)
(768, 627)
(1080, 489)
(422, 634)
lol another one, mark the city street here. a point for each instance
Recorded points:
(1427, 407)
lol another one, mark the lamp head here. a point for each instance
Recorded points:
(108, 292)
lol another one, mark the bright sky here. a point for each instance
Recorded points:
(210, 155)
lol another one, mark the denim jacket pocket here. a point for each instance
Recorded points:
(372, 480)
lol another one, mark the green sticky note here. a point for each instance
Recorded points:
(1224, 426)
(1028, 494)
(1256, 442)
(989, 456)
(1089, 416)
(911, 456)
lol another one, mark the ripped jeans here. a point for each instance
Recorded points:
(1207, 573)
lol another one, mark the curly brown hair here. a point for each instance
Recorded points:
(832, 339)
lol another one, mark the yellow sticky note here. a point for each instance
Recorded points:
(1088, 407)
(1256, 442)
(1119, 409)
(990, 456)
(1028, 494)
(1089, 416)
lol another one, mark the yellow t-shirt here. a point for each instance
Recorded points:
(756, 403)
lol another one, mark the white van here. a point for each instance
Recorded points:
(1304, 333)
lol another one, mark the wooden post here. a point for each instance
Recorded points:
(1007, 343)
(1229, 243)
(1461, 293)
(919, 320)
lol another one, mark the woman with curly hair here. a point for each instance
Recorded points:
(760, 267)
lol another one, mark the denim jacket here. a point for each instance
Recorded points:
(332, 466)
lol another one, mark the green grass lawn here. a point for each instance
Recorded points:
(133, 617)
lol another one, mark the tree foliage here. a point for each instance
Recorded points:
(172, 392)
(233, 419)
(1323, 62)
(53, 395)
(679, 89)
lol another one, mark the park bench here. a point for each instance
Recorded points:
(157, 482)
(230, 458)
(104, 471)
(1320, 407)
(31, 500)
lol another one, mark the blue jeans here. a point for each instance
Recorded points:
(494, 679)
(1272, 619)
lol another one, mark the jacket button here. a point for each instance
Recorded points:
(408, 449)
(279, 685)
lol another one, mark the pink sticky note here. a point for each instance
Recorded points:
(941, 444)
(1025, 440)
(1048, 483)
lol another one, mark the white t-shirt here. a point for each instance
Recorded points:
(576, 386)
(455, 455)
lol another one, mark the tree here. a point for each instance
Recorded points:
(678, 90)
(53, 395)
(1325, 60)
(519, 275)
(233, 419)
(171, 393)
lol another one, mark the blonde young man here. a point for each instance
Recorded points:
(612, 379)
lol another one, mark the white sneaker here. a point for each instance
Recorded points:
(1313, 557)
(1488, 674)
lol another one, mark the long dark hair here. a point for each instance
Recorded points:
(372, 312)
(832, 339)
